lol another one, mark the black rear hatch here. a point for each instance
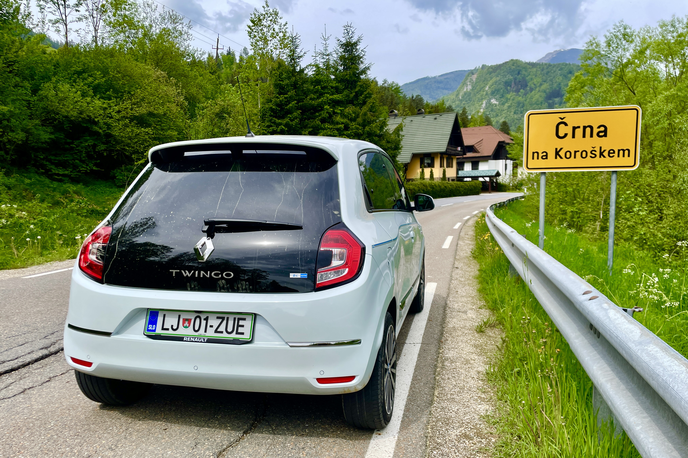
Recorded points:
(265, 208)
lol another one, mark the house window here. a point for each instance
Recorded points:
(428, 161)
(441, 161)
(475, 165)
(449, 162)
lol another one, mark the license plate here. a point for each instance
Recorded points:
(200, 327)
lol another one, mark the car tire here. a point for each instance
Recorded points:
(110, 391)
(372, 407)
(418, 303)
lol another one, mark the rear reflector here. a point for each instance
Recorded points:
(81, 362)
(330, 380)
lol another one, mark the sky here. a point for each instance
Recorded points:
(409, 39)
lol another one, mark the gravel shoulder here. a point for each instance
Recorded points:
(463, 397)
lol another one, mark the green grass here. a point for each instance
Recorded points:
(545, 397)
(43, 220)
(658, 283)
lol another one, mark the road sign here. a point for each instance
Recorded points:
(582, 139)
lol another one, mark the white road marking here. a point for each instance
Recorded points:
(457, 225)
(477, 211)
(447, 242)
(446, 205)
(48, 273)
(467, 217)
(383, 443)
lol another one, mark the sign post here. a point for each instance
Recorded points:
(582, 139)
(612, 220)
(543, 183)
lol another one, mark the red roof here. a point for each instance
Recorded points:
(484, 140)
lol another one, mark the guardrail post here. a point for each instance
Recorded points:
(512, 271)
(603, 412)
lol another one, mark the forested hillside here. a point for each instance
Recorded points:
(130, 80)
(95, 107)
(507, 91)
(649, 68)
(432, 88)
(570, 56)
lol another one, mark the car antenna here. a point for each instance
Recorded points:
(249, 133)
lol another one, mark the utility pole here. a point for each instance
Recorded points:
(217, 49)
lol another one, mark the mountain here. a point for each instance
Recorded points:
(562, 56)
(433, 88)
(507, 91)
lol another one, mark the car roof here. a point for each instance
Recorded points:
(333, 145)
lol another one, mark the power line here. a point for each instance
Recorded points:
(204, 26)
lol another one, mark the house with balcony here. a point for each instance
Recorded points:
(429, 141)
(485, 156)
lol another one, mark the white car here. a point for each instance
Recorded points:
(279, 264)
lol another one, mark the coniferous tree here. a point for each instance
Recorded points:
(282, 113)
(464, 119)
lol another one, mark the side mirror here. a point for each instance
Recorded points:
(423, 203)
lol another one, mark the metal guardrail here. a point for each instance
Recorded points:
(643, 381)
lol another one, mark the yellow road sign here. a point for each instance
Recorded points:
(582, 139)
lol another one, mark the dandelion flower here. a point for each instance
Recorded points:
(28, 239)
(38, 237)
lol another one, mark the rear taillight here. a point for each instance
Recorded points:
(93, 252)
(346, 253)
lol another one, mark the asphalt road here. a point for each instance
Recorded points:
(45, 414)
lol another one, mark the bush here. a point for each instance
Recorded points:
(438, 189)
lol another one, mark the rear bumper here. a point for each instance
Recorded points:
(250, 367)
(105, 326)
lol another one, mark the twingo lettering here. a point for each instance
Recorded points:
(562, 130)
(202, 273)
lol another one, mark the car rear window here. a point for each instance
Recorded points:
(161, 219)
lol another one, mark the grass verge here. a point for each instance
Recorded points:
(657, 283)
(545, 396)
(43, 220)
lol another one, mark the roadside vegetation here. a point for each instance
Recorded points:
(655, 282)
(42, 220)
(544, 396)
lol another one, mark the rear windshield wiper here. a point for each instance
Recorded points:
(223, 225)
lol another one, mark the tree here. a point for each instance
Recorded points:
(281, 114)
(62, 12)
(488, 120)
(648, 68)
(464, 119)
(269, 38)
(444, 174)
(504, 127)
(94, 11)
(432, 175)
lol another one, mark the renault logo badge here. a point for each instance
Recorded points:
(204, 248)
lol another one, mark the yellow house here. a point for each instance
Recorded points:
(429, 142)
